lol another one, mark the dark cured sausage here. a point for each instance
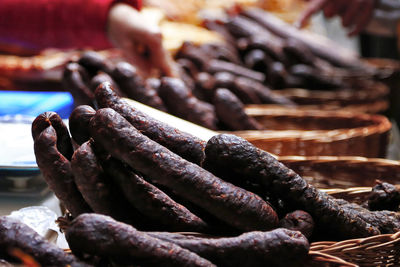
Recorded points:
(79, 123)
(180, 102)
(101, 235)
(17, 235)
(184, 144)
(97, 187)
(46, 119)
(76, 81)
(280, 247)
(94, 62)
(215, 66)
(230, 111)
(253, 164)
(298, 221)
(56, 170)
(233, 205)
(151, 201)
(134, 87)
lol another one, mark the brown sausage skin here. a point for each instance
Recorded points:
(134, 87)
(184, 144)
(97, 187)
(250, 163)
(151, 201)
(231, 112)
(233, 205)
(17, 235)
(101, 235)
(46, 119)
(79, 123)
(76, 81)
(56, 170)
(279, 247)
(180, 102)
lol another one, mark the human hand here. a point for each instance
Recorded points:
(355, 14)
(140, 40)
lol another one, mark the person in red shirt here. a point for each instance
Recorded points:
(96, 24)
(355, 14)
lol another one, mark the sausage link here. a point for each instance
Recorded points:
(253, 164)
(101, 235)
(180, 102)
(134, 87)
(76, 81)
(151, 201)
(233, 205)
(279, 247)
(56, 170)
(79, 123)
(184, 144)
(46, 119)
(17, 235)
(230, 111)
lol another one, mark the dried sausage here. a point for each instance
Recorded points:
(184, 144)
(101, 235)
(233, 205)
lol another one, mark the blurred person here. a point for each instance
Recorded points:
(355, 14)
(96, 24)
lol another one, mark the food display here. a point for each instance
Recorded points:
(279, 179)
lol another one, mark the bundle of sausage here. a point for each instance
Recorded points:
(144, 176)
(183, 97)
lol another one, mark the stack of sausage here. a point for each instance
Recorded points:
(127, 179)
(287, 57)
(219, 106)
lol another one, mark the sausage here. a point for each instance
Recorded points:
(94, 62)
(151, 201)
(188, 66)
(97, 187)
(79, 123)
(221, 52)
(101, 235)
(279, 247)
(230, 111)
(180, 102)
(313, 78)
(264, 93)
(233, 205)
(227, 80)
(205, 85)
(253, 164)
(257, 60)
(298, 53)
(46, 119)
(56, 170)
(277, 75)
(214, 66)
(184, 144)
(17, 235)
(330, 52)
(76, 81)
(384, 196)
(298, 221)
(134, 87)
(191, 52)
(104, 77)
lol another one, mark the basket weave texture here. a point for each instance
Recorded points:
(319, 133)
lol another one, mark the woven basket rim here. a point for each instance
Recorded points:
(380, 125)
(380, 90)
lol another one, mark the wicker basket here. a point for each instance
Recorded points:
(344, 172)
(319, 133)
(381, 250)
(373, 93)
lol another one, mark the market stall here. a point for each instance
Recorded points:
(262, 145)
